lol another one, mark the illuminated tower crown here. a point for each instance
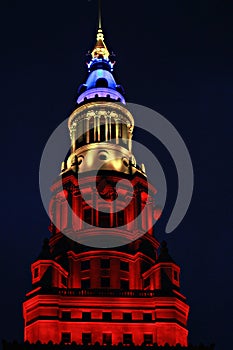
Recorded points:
(98, 122)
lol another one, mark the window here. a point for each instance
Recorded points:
(107, 338)
(127, 338)
(80, 139)
(148, 338)
(102, 129)
(107, 316)
(36, 272)
(66, 315)
(145, 266)
(91, 128)
(176, 276)
(66, 338)
(101, 82)
(113, 130)
(120, 129)
(85, 283)
(85, 265)
(64, 281)
(104, 219)
(86, 338)
(103, 155)
(105, 282)
(86, 316)
(105, 263)
(146, 282)
(124, 284)
(121, 218)
(147, 317)
(124, 133)
(87, 216)
(127, 316)
(124, 266)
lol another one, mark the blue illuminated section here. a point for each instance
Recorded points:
(100, 93)
(107, 77)
(100, 83)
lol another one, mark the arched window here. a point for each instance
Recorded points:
(124, 133)
(91, 126)
(80, 139)
(104, 219)
(120, 130)
(88, 216)
(102, 129)
(113, 130)
(120, 218)
(101, 82)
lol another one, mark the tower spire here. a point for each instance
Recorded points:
(100, 14)
(100, 49)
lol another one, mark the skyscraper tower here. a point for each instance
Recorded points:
(100, 278)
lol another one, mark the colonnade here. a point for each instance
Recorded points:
(92, 129)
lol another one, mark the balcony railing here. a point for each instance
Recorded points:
(102, 292)
(108, 293)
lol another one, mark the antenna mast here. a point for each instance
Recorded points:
(100, 14)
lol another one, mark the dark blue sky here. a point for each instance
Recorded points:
(173, 56)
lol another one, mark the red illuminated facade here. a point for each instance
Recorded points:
(128, 292)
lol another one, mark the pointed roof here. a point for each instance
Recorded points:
(100, 49)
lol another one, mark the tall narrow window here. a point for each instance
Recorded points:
(105, 263)
(113, 130)
(66, 315)
(120, 130)
(127, 338)
(104, 219)
(85, 265)
(64, 281)
(107, 316)
(176, 276)
(120, 218)
(102, 129)
(124, 284)
(66, 338)
(127, 316)
(124, 266)
(85, 283)
(124, 133)
(79, 141)
(36, 272)
(86, 316)
(88, 216)
(86, 338)
(105, 282)
(91, 126)
(147, 317)
(146, 282)
(148, 339)
(107, 338)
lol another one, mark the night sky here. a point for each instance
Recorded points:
(172, 56)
